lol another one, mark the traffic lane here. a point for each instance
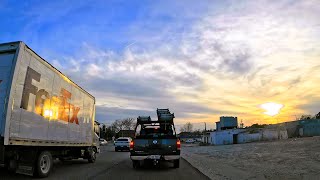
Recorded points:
(78, 169)
(81, 169)
(165, 170)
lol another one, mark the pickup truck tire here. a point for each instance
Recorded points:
(116, 149)
(44, 164)
(135, 164)
(176, 163)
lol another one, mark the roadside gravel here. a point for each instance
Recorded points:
(286, 159)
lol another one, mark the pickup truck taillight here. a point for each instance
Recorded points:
(178, 145)
(131, 145)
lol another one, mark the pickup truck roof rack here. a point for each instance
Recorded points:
(165, 117)
(155, 123)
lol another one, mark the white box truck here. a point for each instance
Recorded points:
(43, 114)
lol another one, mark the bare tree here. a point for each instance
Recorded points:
(117, 125)
(124, 124)
(182, 129)
(129, 123)
(188, 127)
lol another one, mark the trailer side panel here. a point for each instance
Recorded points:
(48, 109)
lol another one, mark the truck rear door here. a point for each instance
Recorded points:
(6, 61)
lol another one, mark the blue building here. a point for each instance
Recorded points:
(300, 128)
(310, 127)
(218, 127)
(228, 122)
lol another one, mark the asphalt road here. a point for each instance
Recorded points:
(114, 165)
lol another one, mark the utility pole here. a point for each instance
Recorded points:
(241, 124)
(204, 132)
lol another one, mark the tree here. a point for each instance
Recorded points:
(182, 129)
(198, 131)
(305, 117)
(103, 130)
(129, 123)
(187, 127)
(109, 133)
(317, 116)
(117, 125)
(258, 125)
(124, 124)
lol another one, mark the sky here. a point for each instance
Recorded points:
(257, 60)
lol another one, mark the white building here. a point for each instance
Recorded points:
(223, 137)
(206, 138)
(262, 135)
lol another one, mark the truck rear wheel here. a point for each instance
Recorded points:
(176, 163)
(12, 165)
(44, 164)
(92, 156)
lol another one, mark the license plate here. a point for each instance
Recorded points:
(154, 157)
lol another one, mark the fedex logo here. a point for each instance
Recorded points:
(53, 107)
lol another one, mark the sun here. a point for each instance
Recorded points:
(271, 108)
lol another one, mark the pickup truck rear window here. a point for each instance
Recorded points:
(156, 133)
(123, 140)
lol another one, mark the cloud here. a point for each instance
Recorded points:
(201, 59)
(312, 107)
(225, 63)
(109, 114)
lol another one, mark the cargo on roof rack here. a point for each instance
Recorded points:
(165, 115)
(162, 111)
(166, 118)
(144, 119)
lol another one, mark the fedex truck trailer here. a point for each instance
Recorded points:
(43, 114)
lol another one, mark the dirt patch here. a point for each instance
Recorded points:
(285, 159)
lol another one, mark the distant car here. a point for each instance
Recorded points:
(103, 142)
(122, 143)
(190, 141)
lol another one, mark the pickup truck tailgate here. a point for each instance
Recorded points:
(155, 146)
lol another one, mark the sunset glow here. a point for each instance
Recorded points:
(271, 109)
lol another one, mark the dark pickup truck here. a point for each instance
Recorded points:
(155, 140)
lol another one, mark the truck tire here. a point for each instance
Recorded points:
(176, 163)
(135, 164)
(12, 165)
(92, 156)
(44, 164)
(116, 149)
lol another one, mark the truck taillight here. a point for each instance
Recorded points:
(131, 145)
(178, 145)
